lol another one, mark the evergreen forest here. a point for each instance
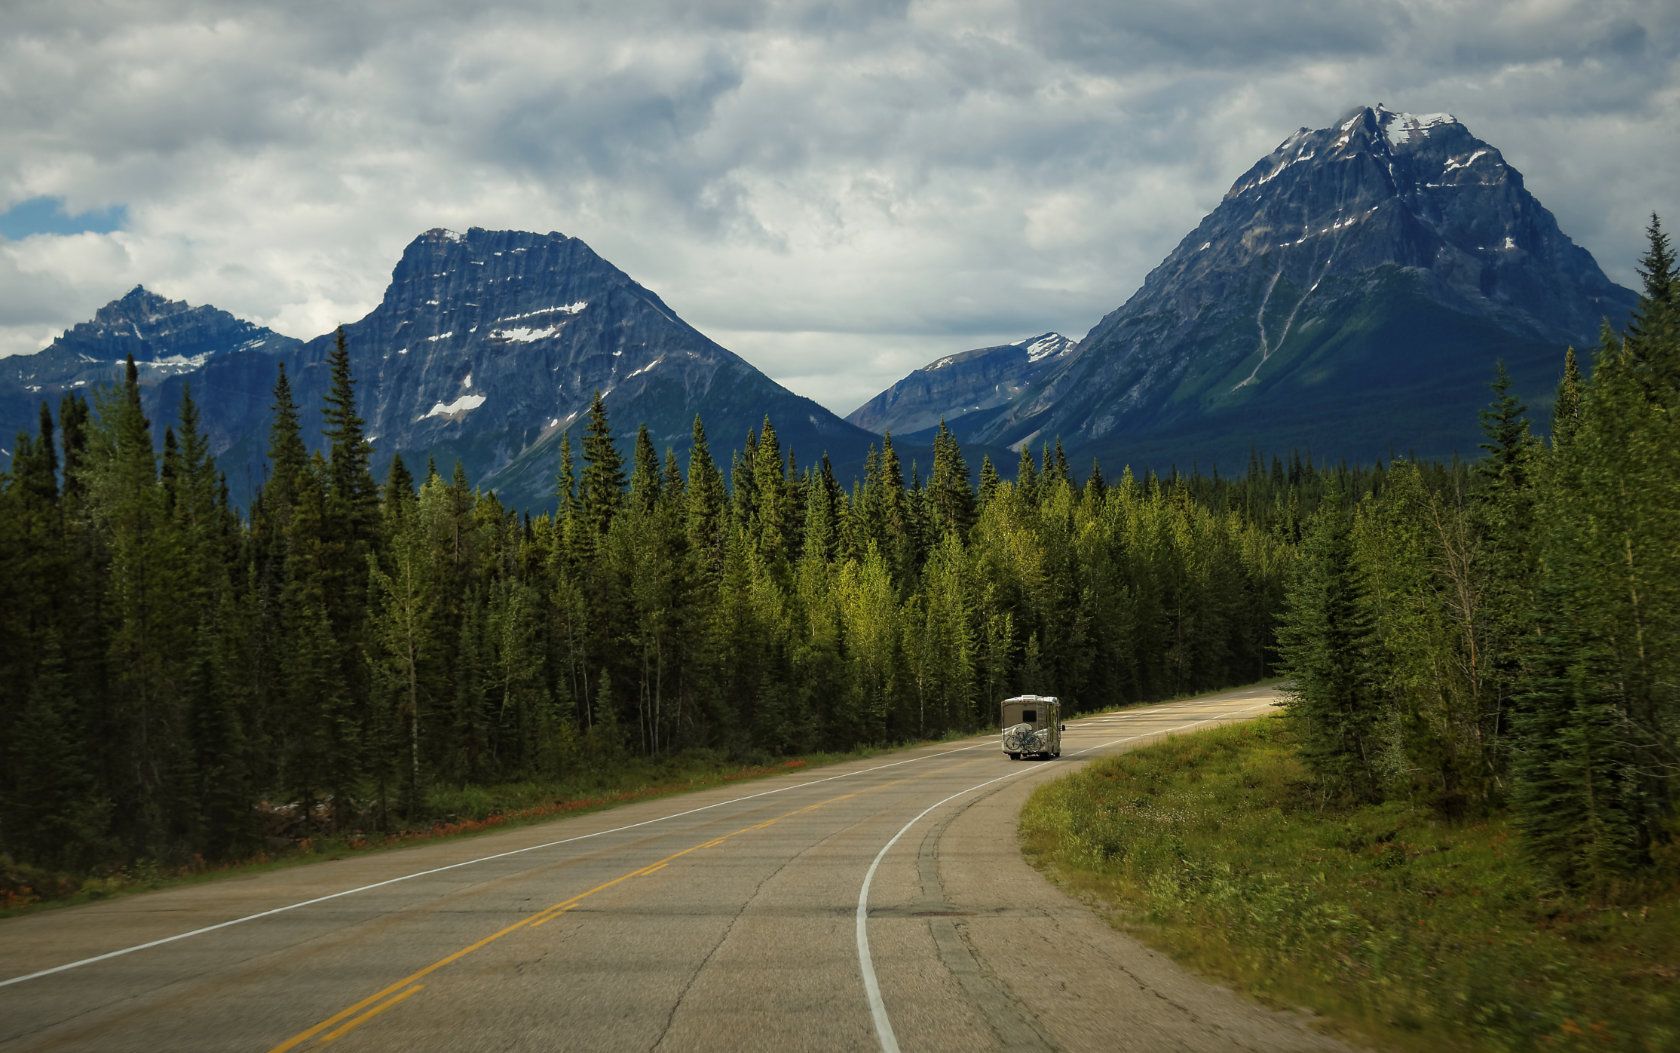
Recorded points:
(175, 672)
(1511, 641)
(176, 675)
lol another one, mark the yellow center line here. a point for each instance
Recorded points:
(541, 917)
(371, 1013)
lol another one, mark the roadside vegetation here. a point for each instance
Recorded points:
(1463, 830)
(1399, 926)
(454, 811)
(1512, 645)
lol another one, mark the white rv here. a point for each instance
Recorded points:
(1032, 726)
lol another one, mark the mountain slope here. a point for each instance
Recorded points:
(962, 383)
(1349, 295)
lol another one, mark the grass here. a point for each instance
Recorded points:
(1398, 927)
(458, 812)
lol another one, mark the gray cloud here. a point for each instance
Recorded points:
(839, 192)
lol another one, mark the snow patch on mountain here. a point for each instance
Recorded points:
(1399, 128)
(570, 308)
(1046, 346)
(524, 334)
(1453, 162)
(464, 404)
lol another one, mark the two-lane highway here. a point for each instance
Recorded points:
(878, 904)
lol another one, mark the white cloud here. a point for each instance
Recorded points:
(840, 195)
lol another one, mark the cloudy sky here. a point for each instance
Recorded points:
(838, 192)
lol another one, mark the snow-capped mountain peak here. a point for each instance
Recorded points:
(1349, 253)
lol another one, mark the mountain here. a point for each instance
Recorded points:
(486, 347)
(1349, 296)
(167, 338)
(969, 381)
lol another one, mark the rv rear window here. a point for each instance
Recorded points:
(1029, 715)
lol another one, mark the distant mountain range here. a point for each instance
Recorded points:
(1348, 297)
(485, 348)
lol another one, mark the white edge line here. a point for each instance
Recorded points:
(454, 866)
(871, 986)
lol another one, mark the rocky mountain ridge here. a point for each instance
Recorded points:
(963, 383)
(486, 347)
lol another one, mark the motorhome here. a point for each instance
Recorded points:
(1032, 726)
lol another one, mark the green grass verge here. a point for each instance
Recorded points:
(1399, 928)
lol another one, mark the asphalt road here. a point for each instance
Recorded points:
(879, 904)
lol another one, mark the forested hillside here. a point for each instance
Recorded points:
(173, 673)
(1513, 640)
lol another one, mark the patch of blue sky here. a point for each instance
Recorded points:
(47, 215)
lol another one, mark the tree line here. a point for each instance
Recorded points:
(1509, 638)
(173, 670)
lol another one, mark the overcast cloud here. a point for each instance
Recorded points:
(838, 192)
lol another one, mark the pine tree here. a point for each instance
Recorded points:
(145, 737)
(351, 493)
(402, 636)
(703, 511)
(644, 478)
(288, 457)
(1502, 518)
(671, 485)
(1026, 479)
(565, 484)
(399, 501)
(1325, 640)
(1656, 321)
(770, 519)
(989, 480)
(896, 538)
(951, 498)
(602, 485)
(1566, 408)
(1095, 485)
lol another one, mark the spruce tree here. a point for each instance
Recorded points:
(1566, 408)
(1096, 486)
(1502, 517)
(351, 490)
(703, 507)
(601, 489)
(644, 478)
(1325, 641)
(1655, 323)
(989, 480)
(951, 497)
(1026, 479)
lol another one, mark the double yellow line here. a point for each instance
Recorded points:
(342, 1023)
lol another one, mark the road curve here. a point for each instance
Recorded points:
(875, 905)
